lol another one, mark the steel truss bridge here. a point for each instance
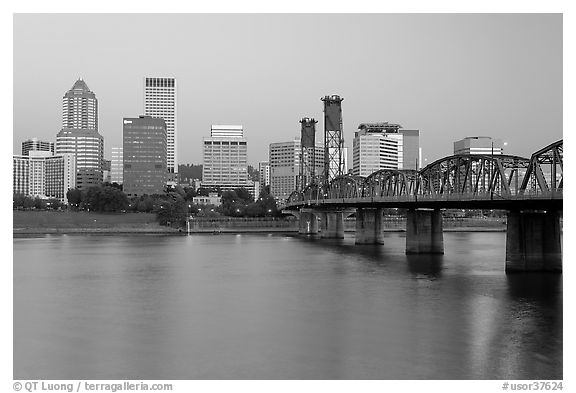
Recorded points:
(459, 181)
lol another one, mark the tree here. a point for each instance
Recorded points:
(74, 197)
(54, 203)
(244, 195)
(105, 199)
(28, 202)
(39, 203)
(189, 193)
(18, 200)
(205, 191)
(171, 212)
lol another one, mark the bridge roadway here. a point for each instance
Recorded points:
(531, 190)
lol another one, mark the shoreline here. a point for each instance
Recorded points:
(172, 231)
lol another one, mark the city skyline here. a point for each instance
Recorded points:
(383, 75)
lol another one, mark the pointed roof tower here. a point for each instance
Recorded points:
(80, 88)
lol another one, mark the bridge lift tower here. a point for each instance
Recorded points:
(333, 138)
(307, 153)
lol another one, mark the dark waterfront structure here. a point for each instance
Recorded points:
(79, 134)
(36, 145)
(145, 152)
(531, 190)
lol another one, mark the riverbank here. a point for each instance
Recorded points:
(68, 222)
(39, 222)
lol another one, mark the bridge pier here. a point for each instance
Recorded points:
(332, 225)
(424, 232)
(369, 226)
(308, 224)
(533, 241)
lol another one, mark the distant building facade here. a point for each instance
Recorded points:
(117, 165)
(378, 146)
(479, 145)
(263, 175)
(211, 199)
(284, 159)
(79, 135)
(41, 174)
(36, 145)
(160, 100)
(225, 158)
(144, 155)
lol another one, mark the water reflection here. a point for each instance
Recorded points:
(279, 307)
(425, 265)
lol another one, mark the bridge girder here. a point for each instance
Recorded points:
(545, 174)
(472, 176)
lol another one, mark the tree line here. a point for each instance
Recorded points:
(171, 208)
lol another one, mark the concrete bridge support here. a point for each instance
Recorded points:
(308, 224)
(332, 225)
(424, 232)
(369, 226)
(533, 241)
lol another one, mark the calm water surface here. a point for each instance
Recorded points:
(279, 307)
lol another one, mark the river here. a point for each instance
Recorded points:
(263, 306)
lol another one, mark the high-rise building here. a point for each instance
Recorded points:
(117, 166)
(412, 153)
(160, 101)
(44, 175)
(80, 108)
(285, 166)
(264, 173)
(144, 155)
(385, 145)
(106, 169)
(88, 148)
(35, 144)
(225, 164)
(79, 135)
(478, 145)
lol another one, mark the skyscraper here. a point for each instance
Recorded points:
(144, 155)
(79, 134)
(117, 166)
(44, 175)
(160, 101)
(35, 144)
(225, 163)
(385, 145)
(264, 173)
(285, 166)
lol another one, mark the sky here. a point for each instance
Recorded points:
(447, 75)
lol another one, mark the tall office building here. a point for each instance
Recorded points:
(225, 163)
(117, 165)
(35, 144)
(285, 166)
(478, 145)
(44, 175)
(385, 145)
(160, 101)
(144, 155)
(264, 173)
(79, 135)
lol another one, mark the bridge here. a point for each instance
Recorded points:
(530, 189)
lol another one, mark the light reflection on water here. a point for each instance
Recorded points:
(279, 307)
